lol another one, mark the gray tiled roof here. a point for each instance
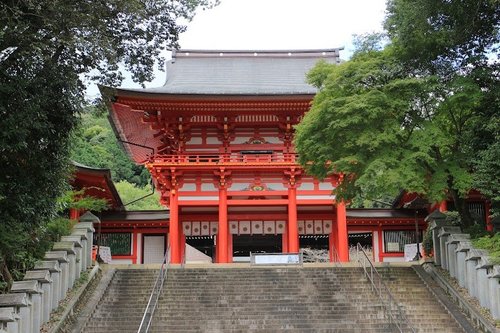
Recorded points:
(242, 72)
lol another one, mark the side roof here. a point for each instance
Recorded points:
(228, 72)
(97, 182)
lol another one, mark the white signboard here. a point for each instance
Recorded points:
(276, 259)
(411, 251)
(105, 254)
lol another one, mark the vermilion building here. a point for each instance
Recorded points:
(218, 141)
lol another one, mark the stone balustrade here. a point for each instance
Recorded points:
(29, 304)
(471, 267)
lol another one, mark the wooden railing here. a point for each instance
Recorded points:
(233, 158)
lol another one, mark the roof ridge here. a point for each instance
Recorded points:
(255, 53)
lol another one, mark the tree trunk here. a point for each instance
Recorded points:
(463, 209)
(4, 270)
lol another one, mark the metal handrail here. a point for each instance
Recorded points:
(155, 295)
(393, 310)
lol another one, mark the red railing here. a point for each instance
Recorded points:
(233, 158)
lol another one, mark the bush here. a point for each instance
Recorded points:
(427, 242)
(491, 243)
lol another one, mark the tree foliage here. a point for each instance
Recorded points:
(131, 192)
(46, 48)
(94, 144)
(416, 114)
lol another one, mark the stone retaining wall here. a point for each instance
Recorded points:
(471, 267)
(29, 304)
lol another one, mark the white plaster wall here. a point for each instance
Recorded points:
(394, 259)
(139, 248)
(121, 261)
(326, 186)
(208, 187)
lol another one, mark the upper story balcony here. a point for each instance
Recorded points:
(233, 159)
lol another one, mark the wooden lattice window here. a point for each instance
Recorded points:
(395, 240)
(119, 243)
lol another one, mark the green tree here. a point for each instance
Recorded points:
(46, 47)
(20, 248)
(396, 119)
(130, 192)
(94, 144)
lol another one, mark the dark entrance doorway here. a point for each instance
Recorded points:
(204, 244)
(314, 248)
(315, 242)
(366, 241)
(363, 238)
(244, 244)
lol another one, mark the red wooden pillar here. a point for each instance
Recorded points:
(229, 246)
(343, 244)
(380, 243)
(443, 206)
(222, 235)
(175, 232)
(74, 214)
(487, 211)
(293, 230)
(135, 247)
(284, 241)
(182, 244)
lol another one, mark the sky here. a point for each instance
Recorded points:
(277, 25)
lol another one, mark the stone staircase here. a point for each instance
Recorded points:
(422, 309)
(272, 299)
(122, 305)
(268, 300)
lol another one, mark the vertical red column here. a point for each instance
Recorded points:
(74, 214)
(222, 235)
(182, 245)
(380, 243)
(175, 232)
(443, 206)
(229, 246)
(284, 242)
(135, 247)
(293, 231)
(487, 211)
(343, 245)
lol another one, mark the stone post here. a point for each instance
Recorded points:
(69, 247)
(56, 274)
(443, 234)
(78, 253)
(21, 304)
(436, 220)
(53, 267)
(451, 248)
(482, 281)
(472, 258)
(85, 246)
(87, 222)
(43, 277)
(32, 288)
(462, 248)
(494, 278)
(9, 320)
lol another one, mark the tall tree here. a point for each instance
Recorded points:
(45, 49)
(411, 116)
